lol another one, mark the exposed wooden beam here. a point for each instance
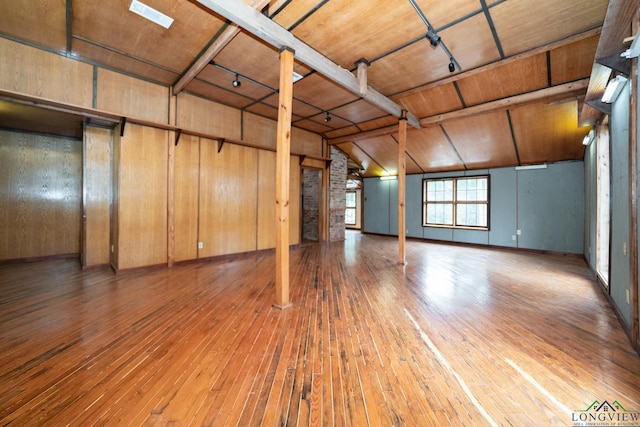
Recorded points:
(362, 66)
(283, 158)
(269, 31)
(500, 104)
(212, 51)
(387, 130)
(594, 108)
(616, 27)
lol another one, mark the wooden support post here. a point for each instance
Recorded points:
(171, 199)
(402, 176)
(362, 66)
(283, 149)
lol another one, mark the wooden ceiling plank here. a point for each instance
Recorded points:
(512, 101)
(432, 151)
(496, 64)
(523, 25)
(369, 167)
(553, 137)
(482, 141)
(216, 47)
(573, 61)
(269, 31)
(384, 152)
(388, 130)
(517, 77)
(525, 98)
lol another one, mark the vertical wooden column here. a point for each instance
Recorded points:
(171, 200)
(173, 138)
(402, 178)
(283, 149)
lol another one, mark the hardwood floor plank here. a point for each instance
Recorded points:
(457, 336)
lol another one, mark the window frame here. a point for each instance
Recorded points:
(454, 202)
(354, 207)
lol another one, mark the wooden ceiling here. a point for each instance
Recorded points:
(525, 68)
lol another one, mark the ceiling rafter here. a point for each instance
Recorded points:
(212, 51)
(512, 101)
(500, 104)
(269, 31)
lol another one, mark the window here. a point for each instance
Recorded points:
(350, 211)
(456, 202)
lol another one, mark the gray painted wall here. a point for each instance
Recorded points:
(551, 208)
(503, 208)
(620, 277)
(546, 204)
(376, 200)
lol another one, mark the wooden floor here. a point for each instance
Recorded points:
(459, 336)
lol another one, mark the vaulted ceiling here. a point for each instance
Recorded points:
(520, 81)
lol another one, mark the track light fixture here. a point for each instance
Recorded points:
(327, 119)
(433, 38)
(236, 82)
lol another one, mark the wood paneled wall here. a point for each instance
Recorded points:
(200, 115)
(225, 200)
(131, 97)
(262, 131)
(267, 199)
(228, 186)
(96, 195)
(43, 74)
(40, 195)
(305, 142)
(142, 197)
(259, 130)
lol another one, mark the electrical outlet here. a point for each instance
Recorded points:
(519, 232)
(624, 248)
(200, 245)
(627, 296)
(513, 237)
